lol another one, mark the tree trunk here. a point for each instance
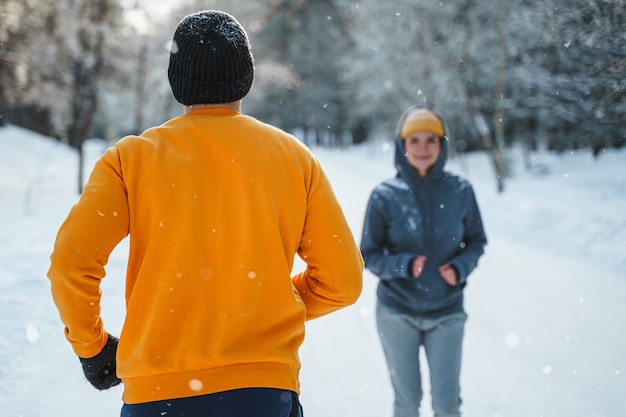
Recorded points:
(81, 166)
(498, 157)
(477, 118)
(85, 100)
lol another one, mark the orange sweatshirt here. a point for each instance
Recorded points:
(216, 204)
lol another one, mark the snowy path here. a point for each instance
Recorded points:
(545, 335)
(547, 303)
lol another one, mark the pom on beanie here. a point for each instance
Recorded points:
(210, 59)
(422, 120)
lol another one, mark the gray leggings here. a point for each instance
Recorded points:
(402, 336)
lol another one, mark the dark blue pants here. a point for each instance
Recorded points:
(247, 402)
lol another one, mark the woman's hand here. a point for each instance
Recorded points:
(418, 266)
(448, 273)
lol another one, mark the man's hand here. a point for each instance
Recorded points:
(100, 370)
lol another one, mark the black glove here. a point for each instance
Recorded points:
(100, 370)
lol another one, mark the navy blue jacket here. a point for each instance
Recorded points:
(437, 217)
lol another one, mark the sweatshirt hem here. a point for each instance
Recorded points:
(209, 381)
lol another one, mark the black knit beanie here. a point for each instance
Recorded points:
(210, 59)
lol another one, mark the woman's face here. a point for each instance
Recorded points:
(422, 149)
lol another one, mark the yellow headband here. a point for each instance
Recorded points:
(419, 120)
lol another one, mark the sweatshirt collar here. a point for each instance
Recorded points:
(214, 111)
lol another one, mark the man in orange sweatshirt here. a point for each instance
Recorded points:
(216, 204)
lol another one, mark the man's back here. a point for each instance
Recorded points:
(218, 204)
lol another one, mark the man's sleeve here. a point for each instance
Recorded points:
(333, 278)
(94, 226)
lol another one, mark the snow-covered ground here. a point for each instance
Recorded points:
(546, 334)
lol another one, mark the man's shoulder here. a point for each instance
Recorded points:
(269, 128)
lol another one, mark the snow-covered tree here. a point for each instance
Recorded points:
(57, 54)
(499, 70)
(24, 24)
(568, 72)
(421, 52)
(305, 41)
